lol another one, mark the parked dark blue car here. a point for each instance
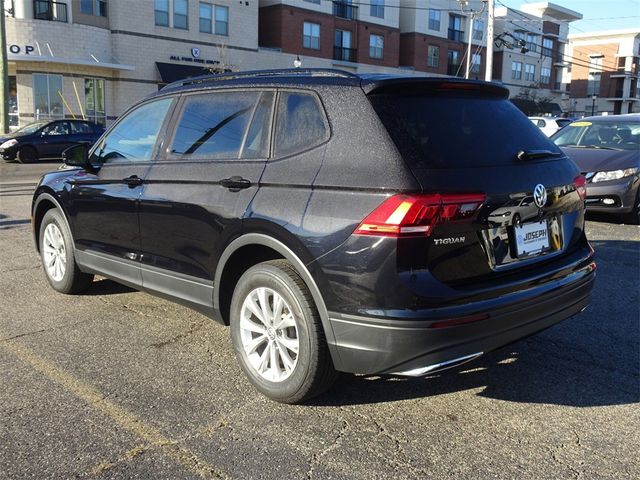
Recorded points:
(47, 140)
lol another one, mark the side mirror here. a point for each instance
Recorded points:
(76, 156)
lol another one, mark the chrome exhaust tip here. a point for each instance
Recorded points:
(436, 367)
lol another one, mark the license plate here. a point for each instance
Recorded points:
(532, 238)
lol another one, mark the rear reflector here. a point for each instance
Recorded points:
(581, 186)
(414, 215)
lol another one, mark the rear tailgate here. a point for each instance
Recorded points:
(464, 138)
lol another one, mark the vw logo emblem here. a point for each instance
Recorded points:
(195, 52)
(540, 195)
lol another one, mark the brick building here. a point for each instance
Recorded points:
(95, 58)
(605, 74)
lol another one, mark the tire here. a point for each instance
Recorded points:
(27, 155)
(292, 378)
(57, 255)
(633, 217)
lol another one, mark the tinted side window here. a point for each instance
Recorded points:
(57, 128)
(213, 125)
(134, 137)
(300, 123)
(256, 143)
(80, 127)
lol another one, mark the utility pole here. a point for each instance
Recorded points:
(472, 15)
(490, 20)
(4, 75)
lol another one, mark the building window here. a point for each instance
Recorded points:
(433, 58)
(377, 8)
(476, 59)
(456, 33)
(14, 120)
(593, 83)
(94, 100)
(222, 20)
(94, 7)
(317, 2)
(434, 19)
(342, 47)
(206, 18)
(532, 42)
(181, 14)
(519, 34)
(311, 36)
(478, 29)
(516, 70)
(595, 63)
(47, 96)
(376, 46)
(530, 72)
(545, 75)
(48, 10)
(453, 63)
(162, 13)
(547, 47)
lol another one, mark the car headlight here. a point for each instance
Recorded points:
(9, 143)
(613, 175)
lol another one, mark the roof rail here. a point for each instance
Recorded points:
(285, 72)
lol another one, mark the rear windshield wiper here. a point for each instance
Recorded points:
(533, 154)
(599, 147)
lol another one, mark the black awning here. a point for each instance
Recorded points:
(172, 72)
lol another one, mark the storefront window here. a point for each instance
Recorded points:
(13, 102)
(47, 96)
(94, 101)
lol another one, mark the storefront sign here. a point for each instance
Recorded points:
(194, 58)
(18, 49)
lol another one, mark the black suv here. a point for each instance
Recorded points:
(367, 224)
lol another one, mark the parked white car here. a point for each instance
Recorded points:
(550, 125)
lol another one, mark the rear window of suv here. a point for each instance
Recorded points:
(457, 130)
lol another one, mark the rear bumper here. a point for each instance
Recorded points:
(412, 347)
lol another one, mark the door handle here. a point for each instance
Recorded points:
(235, 183)
(133, 181)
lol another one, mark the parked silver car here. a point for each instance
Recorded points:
(550, 125)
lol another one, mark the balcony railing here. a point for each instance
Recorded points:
(48, 10)
(456, 35)
(344, 54)
(345, 10)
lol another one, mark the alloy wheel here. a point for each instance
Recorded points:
(269, 334)
(54, 252)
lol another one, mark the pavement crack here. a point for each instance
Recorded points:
(316, 457)
(192, 329)
(44, 330)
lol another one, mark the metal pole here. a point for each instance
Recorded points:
(593, 105)
(489, 72)
(471, 18)
(4, 75)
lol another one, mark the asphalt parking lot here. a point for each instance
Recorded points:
(115, 383)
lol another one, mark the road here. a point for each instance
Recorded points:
(116, 383)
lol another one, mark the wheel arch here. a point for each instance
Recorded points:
(44, 202)
(264, 247)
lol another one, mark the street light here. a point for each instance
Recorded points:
(594, 97)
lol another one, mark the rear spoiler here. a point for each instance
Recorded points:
(381, 84)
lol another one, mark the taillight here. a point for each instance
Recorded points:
(581, 186)
(410, 215)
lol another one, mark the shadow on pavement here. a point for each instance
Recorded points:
(104, 286)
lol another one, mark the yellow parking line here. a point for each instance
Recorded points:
(126, 419)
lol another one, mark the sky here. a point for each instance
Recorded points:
(597, 14)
